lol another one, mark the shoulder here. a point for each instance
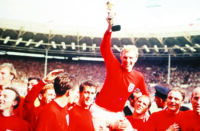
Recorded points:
(139, 74)
(187, 113)
(24, 123)
(74, 109)
(49, 105)
(49, 108)
(156, 117)
(157, 114)
(128, 117)
(17, 123)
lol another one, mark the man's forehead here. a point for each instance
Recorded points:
(128, 54)
(89, 88)
(4, 68)
(8, 93)
(175, 94)
(144, 99)
(33, 81)
(50, 90)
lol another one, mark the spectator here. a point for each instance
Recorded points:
(9, 100)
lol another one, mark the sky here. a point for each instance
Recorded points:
(134, 16)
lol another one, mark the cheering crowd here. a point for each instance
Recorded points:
(59, 102)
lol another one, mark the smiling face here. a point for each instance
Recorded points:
(195, 100)
(87, 96)
(174, 100)
(49, 95)
(128, 58)
(142, 104)
(7, 99)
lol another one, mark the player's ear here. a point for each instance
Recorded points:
(11, 77)
(40, 96)
(15, 103)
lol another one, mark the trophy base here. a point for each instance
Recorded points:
(116, 28)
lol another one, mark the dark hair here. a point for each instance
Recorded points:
(17, 98)
(131, 96)
(33, 78)
(64, 82)
(87, 83)
(184, 108)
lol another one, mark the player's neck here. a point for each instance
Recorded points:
(8, 112)
(62, 101)
(84, 106)
(138, 116)
(173, 112)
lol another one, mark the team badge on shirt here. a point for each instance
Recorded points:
(131, 87)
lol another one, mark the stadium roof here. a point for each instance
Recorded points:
(156, 25)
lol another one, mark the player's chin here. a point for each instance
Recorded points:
(139, 111)
(173, 108)
(88, 103)
(128, 68)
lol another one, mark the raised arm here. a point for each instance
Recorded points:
(106, 42)
(33, 94)
(28, 105)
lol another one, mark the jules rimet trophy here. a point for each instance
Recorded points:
(111, 16)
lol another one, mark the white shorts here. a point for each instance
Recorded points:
(103, 118)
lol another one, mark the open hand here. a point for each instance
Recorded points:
(53, 74)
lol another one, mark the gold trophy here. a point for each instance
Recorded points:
(111, 15)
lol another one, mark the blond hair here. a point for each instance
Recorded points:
(46, 87)
(11, 67)
(178, 90)
(130, 48)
